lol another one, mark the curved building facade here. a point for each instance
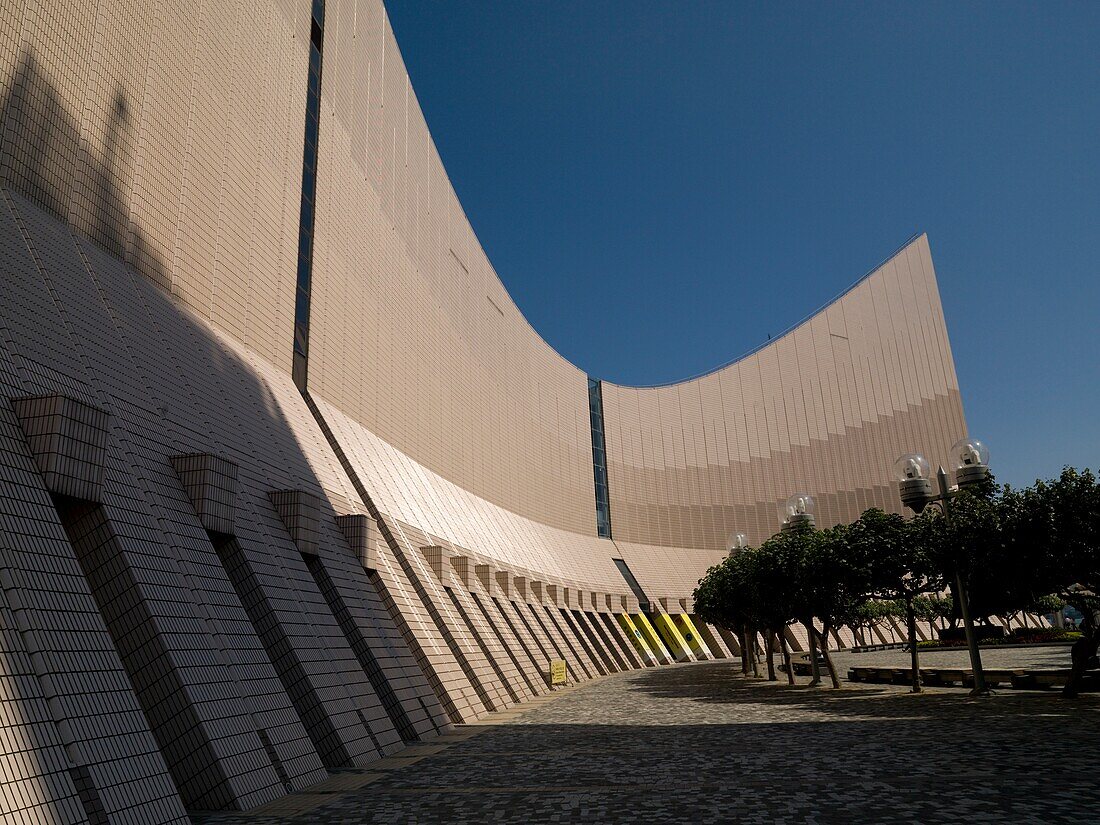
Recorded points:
(288, 479)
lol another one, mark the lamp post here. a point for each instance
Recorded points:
(736, 543)
(798, 513)
(970, 460)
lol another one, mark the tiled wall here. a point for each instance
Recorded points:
(176, 639)
(413, 335)
(172, 136)
(824, 409)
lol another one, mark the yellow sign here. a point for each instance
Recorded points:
(557, 671)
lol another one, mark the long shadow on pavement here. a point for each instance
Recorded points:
(694, 744)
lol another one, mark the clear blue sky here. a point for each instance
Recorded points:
(660, 185)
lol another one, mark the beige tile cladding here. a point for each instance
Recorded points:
(481, 402)
(543, 649)
(614, 642)
(68, 439)
(610, 646)
(211, 485)
(597, 648)
(168, 190)
(301, 515)
(533, 613)
(36, 785)
(115, 319)
(170, 134)
(249, 643)
(551, 618)
(53, 632)
(618, 635)
(524, 675)
(490, 666)
(712, 638)
(518, 639)
(361, 533)
(470, 401)
(354, 599)
(825, 409)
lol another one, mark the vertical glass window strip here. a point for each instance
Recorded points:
(309, 191)
(599, 459)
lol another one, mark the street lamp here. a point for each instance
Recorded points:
(798, 512)
(970, 461)
(913, 474)
(736, 543)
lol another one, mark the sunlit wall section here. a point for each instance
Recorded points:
(412, 333)
(824, 409)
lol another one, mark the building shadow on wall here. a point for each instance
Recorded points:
(46, 155)
(77, 169)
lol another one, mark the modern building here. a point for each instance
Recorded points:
(286, 478)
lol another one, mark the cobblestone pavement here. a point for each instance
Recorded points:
(696, 744)
(1047, 657)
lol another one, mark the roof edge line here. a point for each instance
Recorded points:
(785, 332)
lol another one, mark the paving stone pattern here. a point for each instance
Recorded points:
(697, 744)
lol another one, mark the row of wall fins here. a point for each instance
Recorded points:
(227, 693)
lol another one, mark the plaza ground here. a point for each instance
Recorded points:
(697, 744)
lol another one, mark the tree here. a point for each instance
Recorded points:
(724, 595)
(872, 613)
(933, 608)
(803, 585)
(1073, 556)
(776, 584)
(896, 553)
(1013, 548)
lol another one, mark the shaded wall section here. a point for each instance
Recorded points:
(171, 135)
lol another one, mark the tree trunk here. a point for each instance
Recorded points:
(914, 656)
(786, 656)
(745, 650)
(769, 638)
(811, 635)
(1083, 650)
(828, 657)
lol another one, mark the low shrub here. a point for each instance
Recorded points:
(1019, 636)
(1032, 635)
(935, 643)
(984, 632)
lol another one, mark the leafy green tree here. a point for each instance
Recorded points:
(1013, 550)
(873, 613)
(774, 608)
(898, 567)
(1073, 556)
(725, 595)
(933, 608)
(811, 586)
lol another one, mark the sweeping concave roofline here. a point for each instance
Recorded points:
(775, 339)
(741, 357)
